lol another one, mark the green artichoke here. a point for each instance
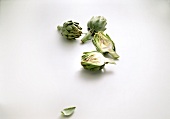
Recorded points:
(94, 61)
(95, 24)
(104, 44)
(70, 30)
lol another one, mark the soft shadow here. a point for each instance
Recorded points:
(3, 112)
(65, 42)
(93, 75)
(64, 117)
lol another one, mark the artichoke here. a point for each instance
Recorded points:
(70, 30)
(94, 61)
(104, 44)
(95, 24)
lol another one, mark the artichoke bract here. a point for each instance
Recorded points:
(95, 24)
(104, 44)
(70, 30)
(94, 61)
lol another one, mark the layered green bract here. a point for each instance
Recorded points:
(94, 61)
(70, 30)
(95, 24)
(104, 44)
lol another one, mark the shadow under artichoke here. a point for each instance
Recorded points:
(94, 75)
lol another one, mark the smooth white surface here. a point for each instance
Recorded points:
(40, 72)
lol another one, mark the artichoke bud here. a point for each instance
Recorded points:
(95, 25)
(94, 61)
(104, 44)
(70, 30)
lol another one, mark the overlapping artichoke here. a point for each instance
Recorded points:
(104, 44)
(70, 30)
(95, 24)
(94, 61)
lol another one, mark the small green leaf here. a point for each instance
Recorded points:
(68, 111)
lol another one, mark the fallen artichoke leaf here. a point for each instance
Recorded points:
(68, 111)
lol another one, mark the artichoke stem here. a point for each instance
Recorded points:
(114, 55)
(110, 61)
(59, 27)
(86, 37)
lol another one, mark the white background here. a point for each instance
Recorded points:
(40, 72)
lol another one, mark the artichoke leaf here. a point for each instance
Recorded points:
(68, 111)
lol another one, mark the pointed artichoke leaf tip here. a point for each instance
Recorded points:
(114, 55)
(59, 27)
(109, 60)
(108, 36)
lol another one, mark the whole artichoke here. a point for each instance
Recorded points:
(104, 44)
(95, 24)
(70, 30)
(94, 61)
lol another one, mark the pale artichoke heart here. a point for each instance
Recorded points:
(105, 44)
(95, 59)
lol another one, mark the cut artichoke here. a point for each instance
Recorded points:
(104, 44)
(95, 24)
(70, 30)
(94, 61)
